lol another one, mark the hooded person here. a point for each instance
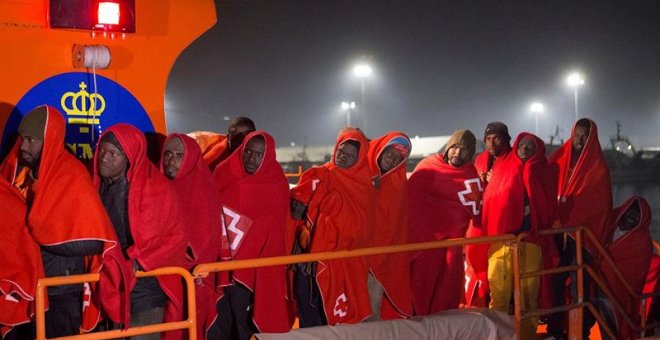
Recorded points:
(628, 242)
(520, 197)
(195, 187)
(584, 194)
(584, 187)
(147, 217)
(21, 262)
(217, 147)
(444, 196)
(331, 209)
(390, 294)
(64, 216)
(254, 199)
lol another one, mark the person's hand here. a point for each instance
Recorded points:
(656, 245)
(489, 175)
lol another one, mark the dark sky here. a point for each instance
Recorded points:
(438, 66)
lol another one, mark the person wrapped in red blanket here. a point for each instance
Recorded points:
(652, 285)
(497, 141)
(584, 193)
(217, 147)
(331, 209)
(254, 199)
(147, 217)
(628, 242)
(389, 281)
(182, 163)
(64, 216)
(20, 261)
(520, 197)
(444, 195)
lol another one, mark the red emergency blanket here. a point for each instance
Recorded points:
(255, 208)
(391, 227)
(442, 201)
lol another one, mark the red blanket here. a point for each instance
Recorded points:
(512, 180)
(157, 227)
(653, 286)
(213, 145)
(20, 259)
(442, 200)
(585, 195)
(390, 221)
(340, 205)
(504, 200)
(255, 209)
(195, 186)
(631, 253)
(66, 205)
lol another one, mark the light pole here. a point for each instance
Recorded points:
(575, 80)
(363, 71)
(536, 108)
(346, 106)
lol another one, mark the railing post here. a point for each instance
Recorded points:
(576, 316)
(517, 296)
(40, 311)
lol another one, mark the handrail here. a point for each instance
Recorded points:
(190, 323)
(600, 249)
(204, 269)
(295, 174)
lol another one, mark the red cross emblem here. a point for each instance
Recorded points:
(341, 306)
(234, 228)
(471, 196)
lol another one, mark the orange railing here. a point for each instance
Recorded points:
(190, 323)
(575, 309)
(295, 174)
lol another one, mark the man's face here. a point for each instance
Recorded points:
(457, 155)
(112, 163)
(31, 151)
(579, 138)
(526, 148)
(389, 159)
(495, 144)
(172, 156)
(253, 154)
(236, 134)
(630, 219)
(346, 155)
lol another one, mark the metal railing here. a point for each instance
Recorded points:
(575, 309)
(190, 323)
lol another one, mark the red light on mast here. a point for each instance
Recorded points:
(108, 13)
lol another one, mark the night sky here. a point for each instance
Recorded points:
(438, 66)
